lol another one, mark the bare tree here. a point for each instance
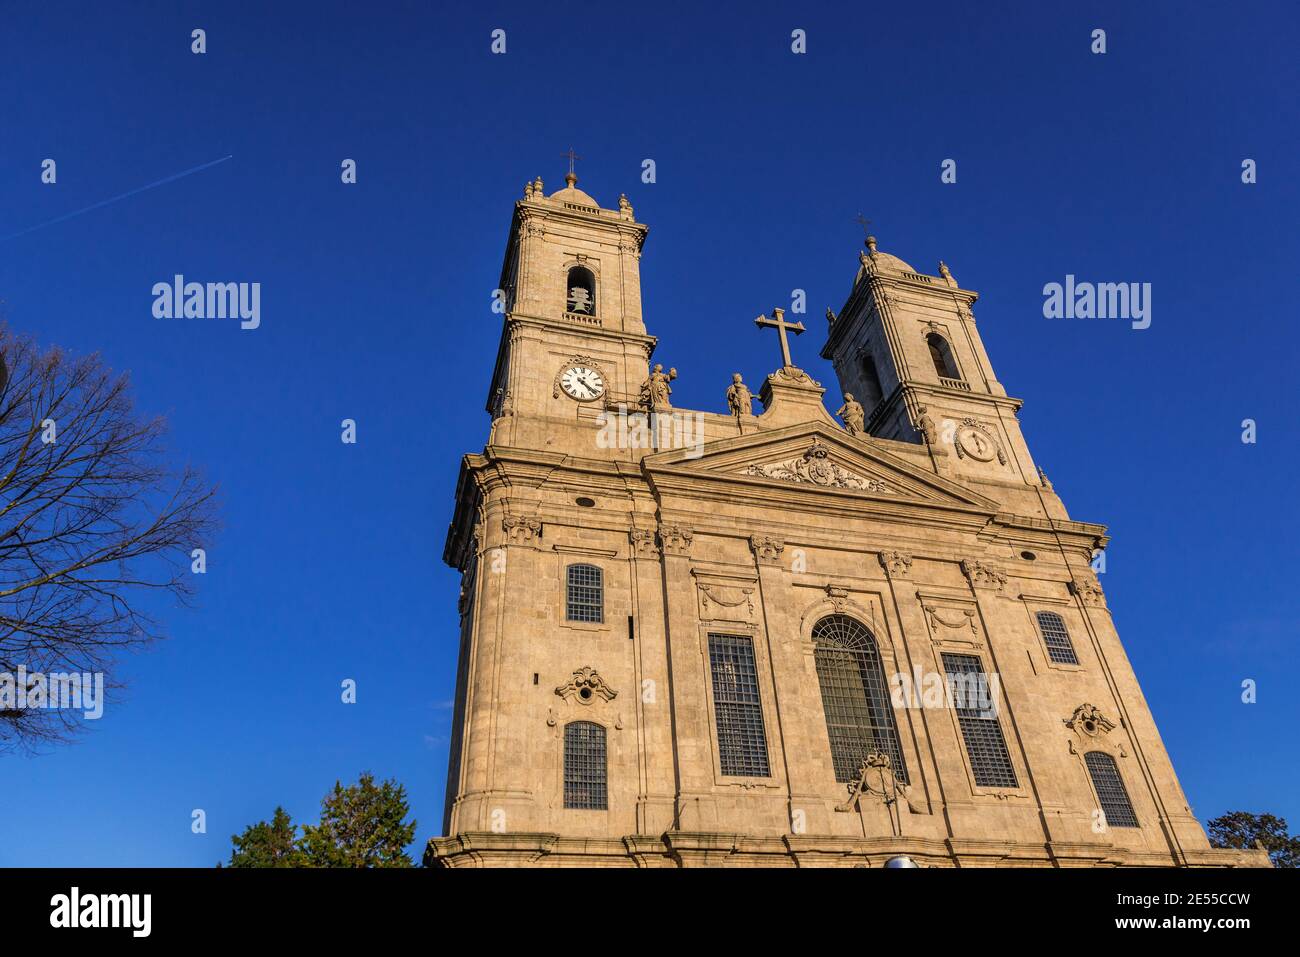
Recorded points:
(92, 523)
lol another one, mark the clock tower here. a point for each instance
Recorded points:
(573, 342)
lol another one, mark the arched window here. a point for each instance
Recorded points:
(585, 598)
(1057, 639)
(1110, 790)
(581, 295)
(872, 391)
(859, 718)
(584, 766)
(941, 356)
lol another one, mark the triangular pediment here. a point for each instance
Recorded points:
(813, 457)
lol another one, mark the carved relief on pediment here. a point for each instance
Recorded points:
(815, 467)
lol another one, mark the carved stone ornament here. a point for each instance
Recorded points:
(521, 530)
(984, 575)
(896, 564)
(839, 598)
(643, 543)
(793, 374)
(766, 548)
(977, 441)
(1088, 720)
(1086, 586)
(585, 686)
(958, 619)
(876, 767)
(726, 597)
(676, 539)
(815, 468)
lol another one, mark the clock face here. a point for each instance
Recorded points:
(976, 444)
(582, 383)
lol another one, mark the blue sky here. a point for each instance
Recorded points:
(376, 306)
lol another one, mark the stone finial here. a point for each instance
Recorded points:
(871, 246)
(537, 186)
(571, 180)
(830, 316)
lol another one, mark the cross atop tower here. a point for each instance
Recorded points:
(781, 326)
(572, 177)
(864, 223)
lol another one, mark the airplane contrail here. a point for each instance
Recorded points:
(114, 199)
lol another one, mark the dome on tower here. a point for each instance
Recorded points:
(571, 194)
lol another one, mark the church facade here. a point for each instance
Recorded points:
(766, 636)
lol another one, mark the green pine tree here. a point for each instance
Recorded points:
(361, 825)
(268, 845)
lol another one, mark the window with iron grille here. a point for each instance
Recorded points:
(985, 745)
(1110, 790)
(859, 718)
(585, 600)
(742, 742)
(1059, 647)
(584, 766)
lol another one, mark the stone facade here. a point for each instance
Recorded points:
(932, 528)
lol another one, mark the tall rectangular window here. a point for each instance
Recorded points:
(979, 727)
(1110, 790)
(584, 766)
(1059, 647)
(742, 742)
(584, 600)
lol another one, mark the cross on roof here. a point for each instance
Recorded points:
(572, 156)
(781, 326)
(863, 222)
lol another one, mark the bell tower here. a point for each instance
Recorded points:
(574, 341)
(905, 345)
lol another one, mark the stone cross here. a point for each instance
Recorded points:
(781, 326)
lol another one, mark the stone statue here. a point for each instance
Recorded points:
(926, 425)
(655, 391)
(830, 316)
(739, 399)
(851, 412)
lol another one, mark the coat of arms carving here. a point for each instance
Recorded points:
(815, 467)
